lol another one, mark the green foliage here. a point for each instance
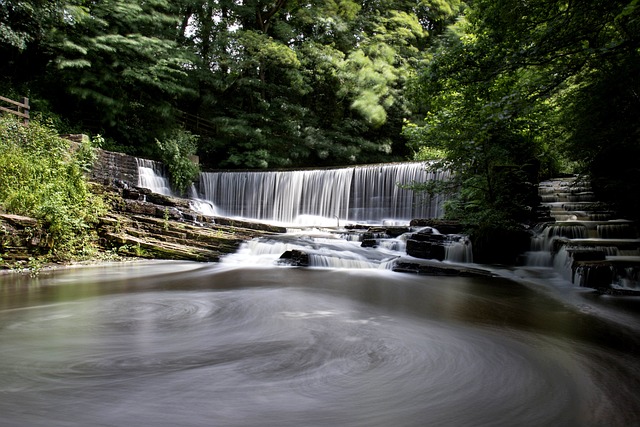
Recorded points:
(515, 91)
(41, 176)
(265, 84)
(312, 84)
(111, 66)
(602, 131)
(175, 152)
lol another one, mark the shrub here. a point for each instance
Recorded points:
(175, 152)
(41, 175)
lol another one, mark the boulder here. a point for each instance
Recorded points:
(427, 244)
(295, 258)
(426, 250)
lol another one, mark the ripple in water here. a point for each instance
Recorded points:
(283, 356)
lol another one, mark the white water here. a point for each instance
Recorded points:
(366, 194)
(151, 176)
(582, 227)
(305, 199)
(339, 249)
(326, 197)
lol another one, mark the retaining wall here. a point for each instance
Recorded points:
(111, 166)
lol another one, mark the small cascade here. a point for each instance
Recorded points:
(311, 248)
(459, 250)
(354, 248)
(582, 242)
(151, 175)
(365, 194)
(203, 207)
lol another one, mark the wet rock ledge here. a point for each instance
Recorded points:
(139, 224)
(150, 225)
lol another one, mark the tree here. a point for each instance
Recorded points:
(112, 65)
(263, 83)
(506, 85)
(302, 83)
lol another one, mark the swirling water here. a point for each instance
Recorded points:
(185, 344)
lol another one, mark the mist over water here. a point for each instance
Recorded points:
(172, 343)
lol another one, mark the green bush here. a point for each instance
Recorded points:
(41, 175)
(175, 152)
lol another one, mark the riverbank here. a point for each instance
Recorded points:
(139, 224)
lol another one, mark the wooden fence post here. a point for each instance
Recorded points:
(25, 110)
(19, 109)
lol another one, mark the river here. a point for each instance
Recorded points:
(188, 344)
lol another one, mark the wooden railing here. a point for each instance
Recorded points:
(20, 109)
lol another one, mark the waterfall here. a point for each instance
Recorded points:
(361, 193)
(151, 175)
(581, 241)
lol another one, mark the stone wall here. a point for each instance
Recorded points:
(111, 166)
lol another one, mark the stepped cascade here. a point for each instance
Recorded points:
(151, 175)
(583, 240)
(358, 194)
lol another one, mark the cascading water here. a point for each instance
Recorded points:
(325, 198)
(581, 241)
(366, 194)
(151, 175)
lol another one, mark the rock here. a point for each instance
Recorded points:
(19, 221)
(295, 258)
(443, 226)
(593, 274)
(431, 269)
(425, 249)
(369, 243)
(427, 244)
(428, 235)
(586, 255)
(389, 231)
(250, 225)
(139, 207)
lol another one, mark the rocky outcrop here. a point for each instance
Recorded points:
(150, 225)
(139, 224)
(21, 238)
(425, 268)
(295, 258)
(442, 225)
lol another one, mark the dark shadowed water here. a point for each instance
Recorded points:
(185, 344)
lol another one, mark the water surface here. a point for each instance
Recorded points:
(172, 343)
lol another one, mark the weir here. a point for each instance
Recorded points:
(328, 197)
(332, 199)
(366, 194)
